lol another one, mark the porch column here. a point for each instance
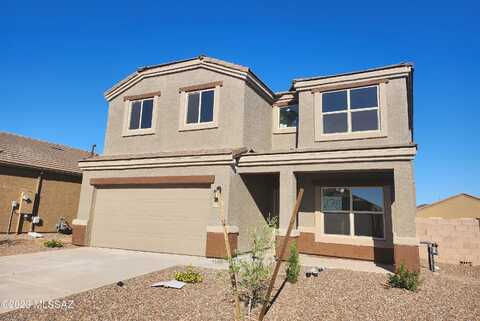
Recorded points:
(288, 195)
(403, 218)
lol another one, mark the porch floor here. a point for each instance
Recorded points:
(343, 264)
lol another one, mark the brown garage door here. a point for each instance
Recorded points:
(170, 220)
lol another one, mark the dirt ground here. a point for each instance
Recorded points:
(451, 294)
(22, 244)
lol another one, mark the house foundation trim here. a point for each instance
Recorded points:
(215, 247)
(308, 245)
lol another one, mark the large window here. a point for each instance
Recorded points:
(141, 112)
(355, 211)
(288, 116)
(350, 110)
(200, 106)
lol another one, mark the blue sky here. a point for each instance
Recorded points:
(60, 56)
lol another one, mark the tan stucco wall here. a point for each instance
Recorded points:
(284, 141)
(458, 239)
(59, 197)
(461, 206)
(222, 178)
(251, 199)
(257, 118)
(167, 137)
(403, 194)
(398, 131)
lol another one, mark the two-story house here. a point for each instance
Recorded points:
(182, 133)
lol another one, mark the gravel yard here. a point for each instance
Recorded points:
(453, 294)
(22, 244)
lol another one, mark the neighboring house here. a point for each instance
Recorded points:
(178, 131)
(454, 224)
(457, 206)
(47, 173)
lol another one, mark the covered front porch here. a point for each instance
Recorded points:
(363, 211)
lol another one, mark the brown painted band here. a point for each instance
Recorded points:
(202, 86)
(142, 96)
(351, 85)
(153, 180)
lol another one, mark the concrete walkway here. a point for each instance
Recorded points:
(56, 274)
(343, 264)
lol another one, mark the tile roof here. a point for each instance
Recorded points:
(28, 152)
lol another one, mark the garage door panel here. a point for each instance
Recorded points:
(152, 219)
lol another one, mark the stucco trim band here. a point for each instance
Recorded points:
(405, 240)
(142, 96)
(374, 154)
(78, 221)
(153, 180)
(174, 161)
(219, 229)
(349, 85)
(209, 85)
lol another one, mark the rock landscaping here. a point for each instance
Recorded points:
(451, 294)
(22, 244)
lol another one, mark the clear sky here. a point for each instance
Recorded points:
(60, 56)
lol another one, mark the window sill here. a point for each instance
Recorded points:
(186, 127)
(141, 132)
(350, 136)
(287, 130)
(351, 240)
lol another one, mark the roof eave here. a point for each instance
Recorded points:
(235, 70)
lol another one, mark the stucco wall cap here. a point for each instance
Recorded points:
(201, 60)
(403, 64)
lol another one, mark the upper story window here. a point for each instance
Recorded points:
(288, 117)
(353, 211)
(141, 112)
(200, 106)
(350, 110)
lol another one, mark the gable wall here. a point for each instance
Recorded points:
(167, 136)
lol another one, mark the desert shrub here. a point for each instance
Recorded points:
(293, 264)
(404, 279)
(189, 276)
(254, 271)
(53, 243)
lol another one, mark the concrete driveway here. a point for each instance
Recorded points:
(55, 274)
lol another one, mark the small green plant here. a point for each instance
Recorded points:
(189, 276)
(254, 270)
(404, 279)
(53, 243)
(293, 265)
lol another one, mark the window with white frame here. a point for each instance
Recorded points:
(200, 105)
(141, 112)
(353, 211)
(288, 117)
(350, 110)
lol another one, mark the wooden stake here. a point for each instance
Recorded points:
(233, 277)
(282, 253)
